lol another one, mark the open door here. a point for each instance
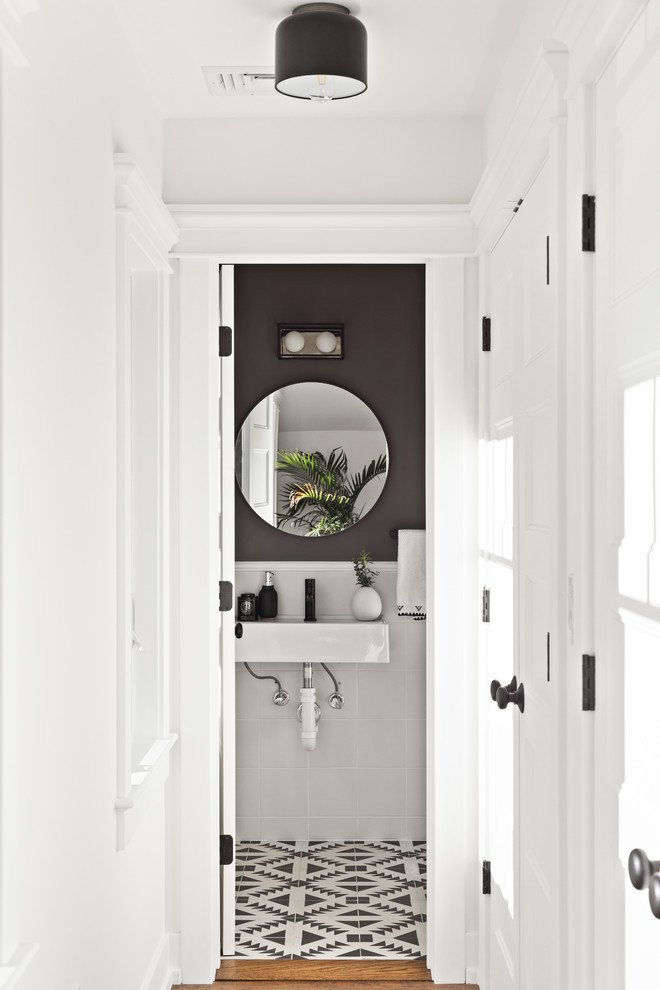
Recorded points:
(519, 683)
(627, 487)
(499, 839)
(226, 626)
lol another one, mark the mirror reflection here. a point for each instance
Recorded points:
(311, 459)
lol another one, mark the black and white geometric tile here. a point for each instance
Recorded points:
(331, 900)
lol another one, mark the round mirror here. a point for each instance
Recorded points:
(311, 459)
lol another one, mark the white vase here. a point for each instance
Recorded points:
(366, 604)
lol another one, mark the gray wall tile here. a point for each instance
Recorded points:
(283, 793)
(381, 793)
(332, 793)
(382, 743)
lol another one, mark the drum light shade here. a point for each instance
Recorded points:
(321, 53)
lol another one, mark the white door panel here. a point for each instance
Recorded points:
(537, 579)
(499, 728)
(260, 437)
(522, 765)
(627, 465)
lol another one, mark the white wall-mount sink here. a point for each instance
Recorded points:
(292, 640)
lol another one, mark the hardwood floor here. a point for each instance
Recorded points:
(319, 974)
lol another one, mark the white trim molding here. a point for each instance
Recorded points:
(320, 231)
(145, 232)
(338, 566)
(518, 160)
(198, 527)
(450, 396)
(12, 15)
(153, 228)
(15, 956)
(164, 971)
(14, 968)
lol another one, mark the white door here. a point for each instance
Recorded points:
(539, 660)
(627, 486)
(499, 838)
(258, 458)
(226, 628)
(521, 765)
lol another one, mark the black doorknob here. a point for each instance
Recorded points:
(514, 693)
(495, 686)
(641, 870)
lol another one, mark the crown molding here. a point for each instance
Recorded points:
(586, 35)
(524, 147)
(12, 15)
(320, 230)
(138, 203)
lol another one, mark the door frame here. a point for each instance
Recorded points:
(451, 382)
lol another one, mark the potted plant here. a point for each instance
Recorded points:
(320, 495)
(366, 604)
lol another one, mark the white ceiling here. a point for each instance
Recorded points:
(427, 58)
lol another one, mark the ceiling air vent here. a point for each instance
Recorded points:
(239, 80)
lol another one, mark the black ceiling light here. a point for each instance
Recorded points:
(321, 53)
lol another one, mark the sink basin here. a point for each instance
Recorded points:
(336, 640)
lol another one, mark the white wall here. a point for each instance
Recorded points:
(96, 914)
(366, 779)
(348, 161)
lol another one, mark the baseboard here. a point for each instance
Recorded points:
(164, 970)
(472, 957)
(12, 970)
(175, 959)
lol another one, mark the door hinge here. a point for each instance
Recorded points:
(225, 596)
(226, 850)
(485, 333)
(485, 605)
(588, 683)
(224, 341)
(485, 877)
(588, 223)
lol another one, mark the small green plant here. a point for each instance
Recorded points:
(363, 572)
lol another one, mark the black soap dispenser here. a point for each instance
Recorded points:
(268, 598)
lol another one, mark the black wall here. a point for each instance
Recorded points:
(382, 308)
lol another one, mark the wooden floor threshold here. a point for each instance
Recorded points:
(325, 974)
(316, 970)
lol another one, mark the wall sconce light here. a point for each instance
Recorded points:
(310, 340)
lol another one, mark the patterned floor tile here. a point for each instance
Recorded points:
(331, 900)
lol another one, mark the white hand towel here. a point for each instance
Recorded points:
(411, 573)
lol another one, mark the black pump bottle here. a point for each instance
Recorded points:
(268, 598)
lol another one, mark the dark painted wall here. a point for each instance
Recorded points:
(382, 308)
